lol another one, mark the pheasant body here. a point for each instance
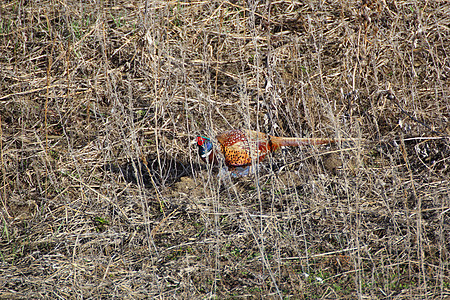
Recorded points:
(242, 147)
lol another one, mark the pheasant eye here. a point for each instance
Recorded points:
(200, 141)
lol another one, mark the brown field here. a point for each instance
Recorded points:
(104, 196)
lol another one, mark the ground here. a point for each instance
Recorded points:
(103, 194)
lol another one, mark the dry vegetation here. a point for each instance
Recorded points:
(102, 194)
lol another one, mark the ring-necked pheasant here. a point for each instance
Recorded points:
(241, 147)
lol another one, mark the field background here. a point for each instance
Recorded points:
(103, 195)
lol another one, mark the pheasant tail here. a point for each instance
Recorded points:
(278, 142)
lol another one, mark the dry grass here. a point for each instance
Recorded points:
(93, 95)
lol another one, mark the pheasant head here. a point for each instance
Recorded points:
(206, 149)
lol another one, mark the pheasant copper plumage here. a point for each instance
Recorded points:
(242, 147)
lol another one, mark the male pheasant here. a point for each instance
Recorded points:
(242, 147)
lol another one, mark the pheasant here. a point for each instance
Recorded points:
(242, 147)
